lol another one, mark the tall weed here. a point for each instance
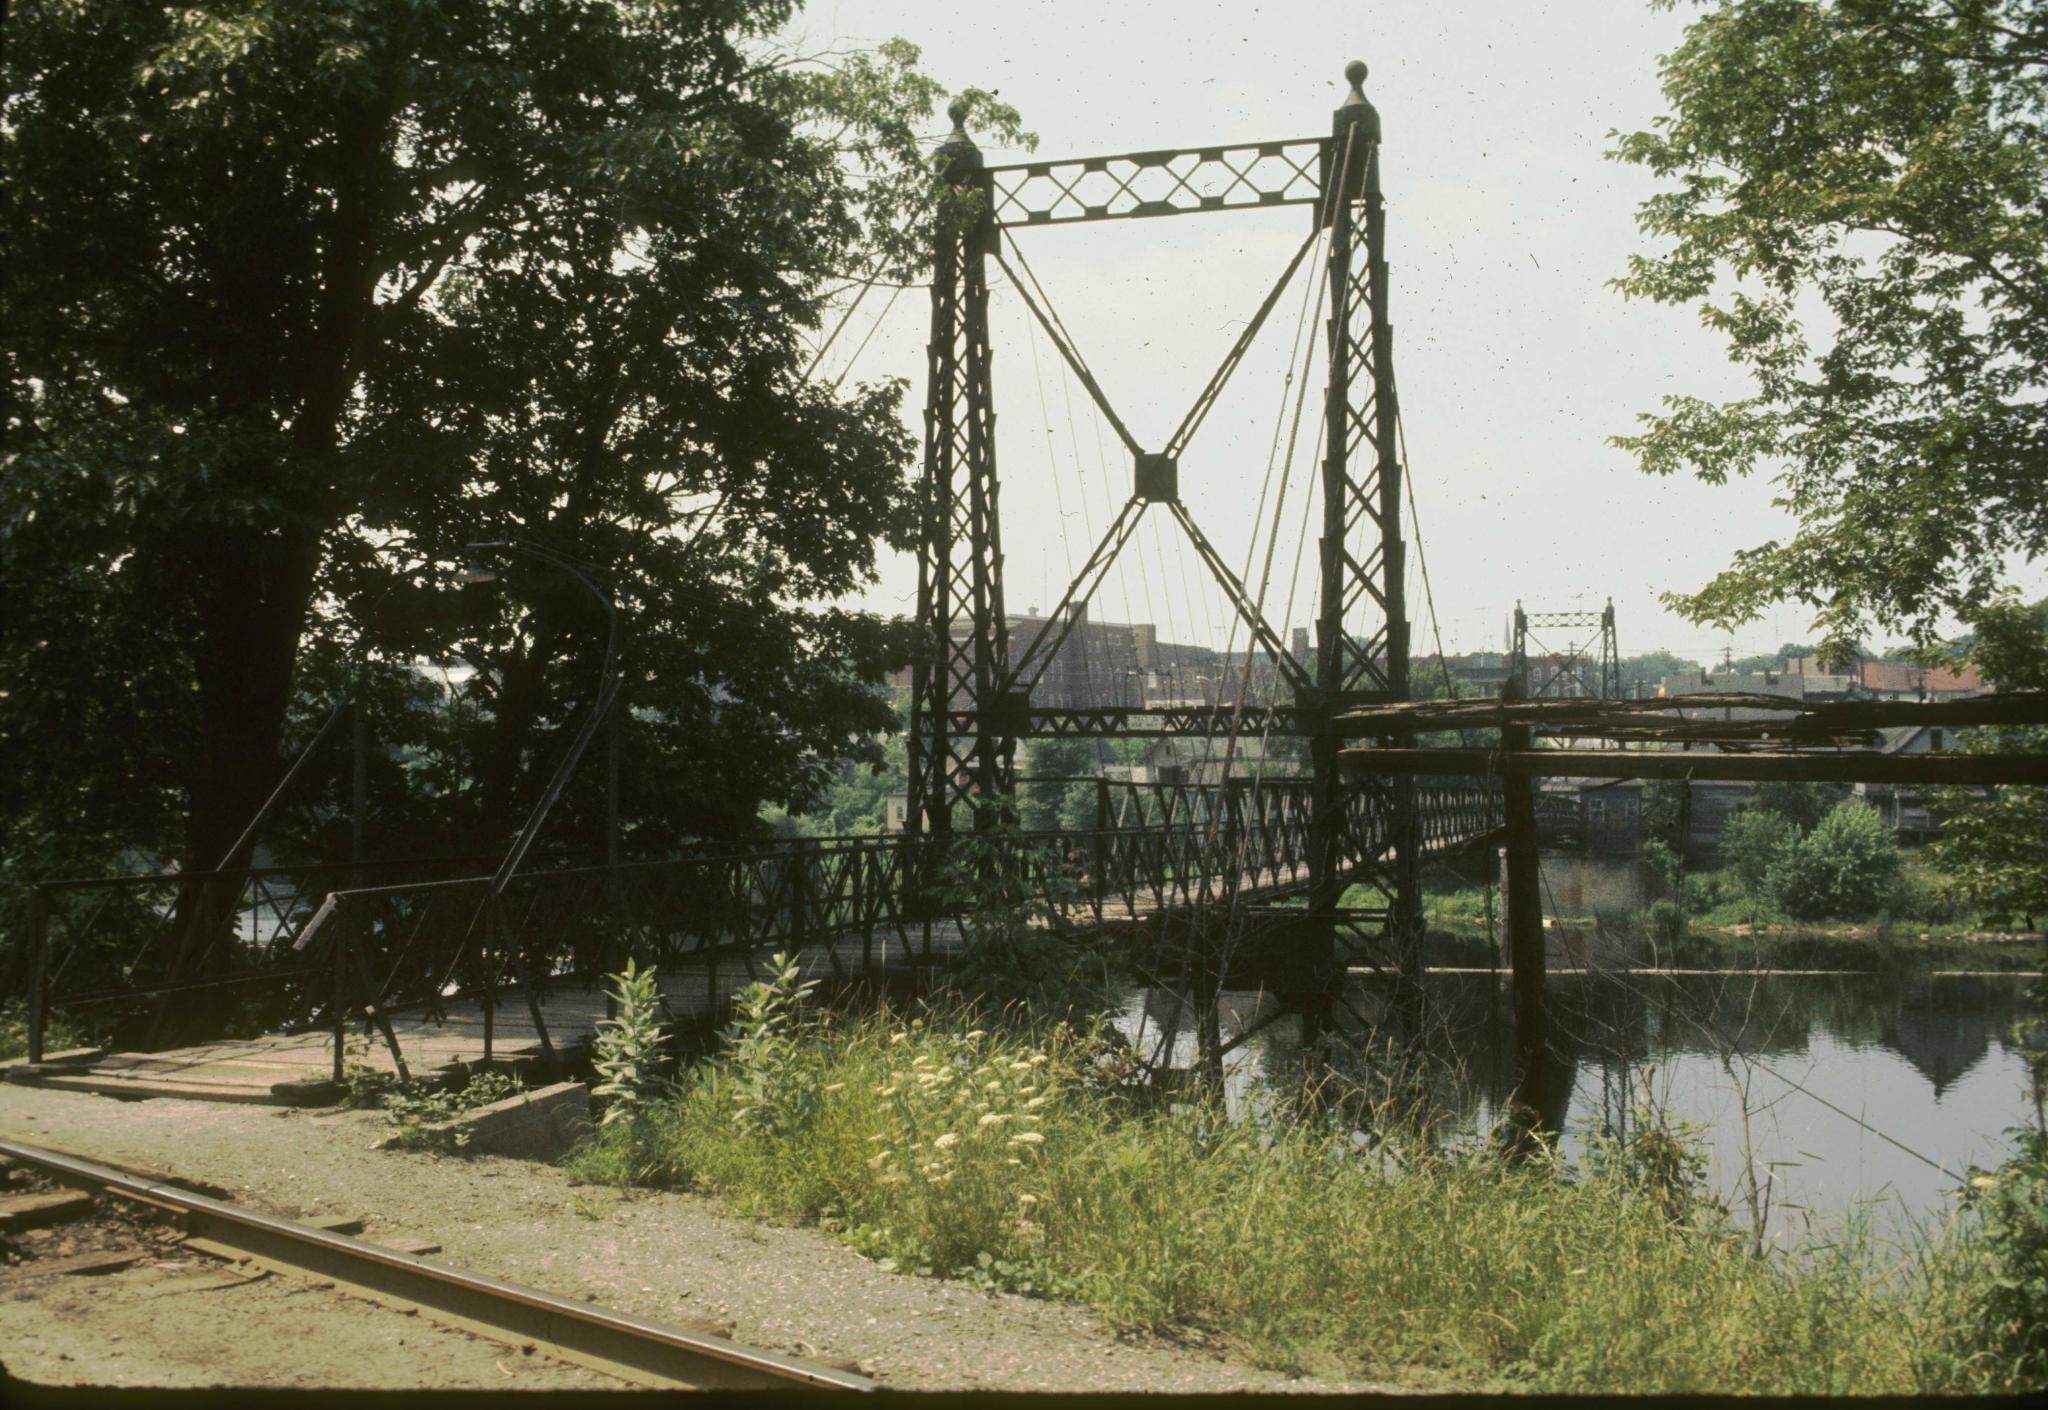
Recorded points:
(1003, 1158)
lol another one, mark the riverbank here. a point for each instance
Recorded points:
(1003, 1162)
(1455, 941)
(670, 1255)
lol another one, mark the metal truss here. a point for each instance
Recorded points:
(1364, 834)
(1134, 185)
(1147, 722)
(960, 557)
(1568, 676)
(971, 707)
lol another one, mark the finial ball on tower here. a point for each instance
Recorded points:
(957, 110)
(1355, 72)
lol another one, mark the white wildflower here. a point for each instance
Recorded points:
(1027, 1138)
(1034, 1104)
(878, 1161)
(947, 1141)
(994, 1118)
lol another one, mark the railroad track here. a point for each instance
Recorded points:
(616, 1343)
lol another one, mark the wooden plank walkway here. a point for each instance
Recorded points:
(295, 1068)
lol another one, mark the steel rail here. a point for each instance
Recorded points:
(618, 1342)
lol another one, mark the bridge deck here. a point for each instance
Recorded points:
(289, 1068)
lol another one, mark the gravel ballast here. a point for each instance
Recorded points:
(659, 1254)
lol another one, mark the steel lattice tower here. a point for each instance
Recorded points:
(971, 695)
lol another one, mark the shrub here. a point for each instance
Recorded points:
(628, 1048)
(1845, 868)
(2012, 1206)
(1751, 843)
(60, 1032)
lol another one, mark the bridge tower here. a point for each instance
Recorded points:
(1588, 664)
(971, 693)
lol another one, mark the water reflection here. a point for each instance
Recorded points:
(1826, 1067)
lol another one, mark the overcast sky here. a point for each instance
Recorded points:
(1505, 221)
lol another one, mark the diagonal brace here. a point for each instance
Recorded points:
(1057, 331)
(1200, 410)
(1296, 676)
(1038, 656)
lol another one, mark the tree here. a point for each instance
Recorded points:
(1048, 806)
(1801, 804)
(1993, 848)
(306, 295)
(1651, 670)
(1751, 841)
(1845, 868)
(1774, 661)
(1855, 201)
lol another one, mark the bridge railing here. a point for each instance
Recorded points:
(422, 938)
(123, 955)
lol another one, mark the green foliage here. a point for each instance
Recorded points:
(1801, 804)
(1775, 661)
(60, 1031)
(1661, 1159)
(1853, 197)
(1846, 867)
(628, 1050)
(1018, 948)
(1990, 847)
(996, 1156)
(305, 296)
(768, 1091)
(1045, 807)
(411, 1107)
(1667, 811)
(2012, 1205)
(1751, 842)
(1650, 670)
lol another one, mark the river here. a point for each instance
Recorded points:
(1863, 1092)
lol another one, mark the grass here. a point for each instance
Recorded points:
(1008, 1161)
(60, 1032)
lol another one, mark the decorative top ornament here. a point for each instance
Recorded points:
(958, 156)
(1356, 112)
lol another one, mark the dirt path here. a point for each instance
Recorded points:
(660, 1255)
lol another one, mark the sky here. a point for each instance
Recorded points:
(1515, 360)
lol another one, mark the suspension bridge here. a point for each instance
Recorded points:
(1246, 877)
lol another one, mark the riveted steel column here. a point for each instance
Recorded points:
(1362, 627)
(960, 596)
